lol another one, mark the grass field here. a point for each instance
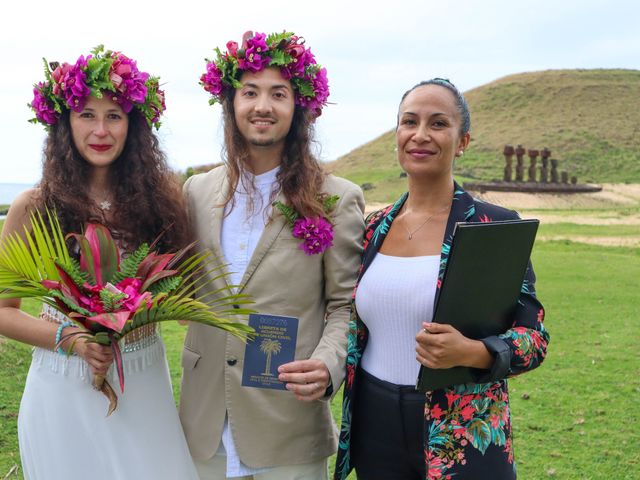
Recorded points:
(576, 417)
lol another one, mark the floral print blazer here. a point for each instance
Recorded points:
(467, 428)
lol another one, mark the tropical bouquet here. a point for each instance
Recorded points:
(109, 296)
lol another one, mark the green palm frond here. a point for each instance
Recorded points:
(186, 301)
(25, 262)
(168, 308)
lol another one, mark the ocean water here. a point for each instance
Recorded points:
(9, 191)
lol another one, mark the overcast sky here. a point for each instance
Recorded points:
(373, 52)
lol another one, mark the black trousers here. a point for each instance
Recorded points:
(387, 430)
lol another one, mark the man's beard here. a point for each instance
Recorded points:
(262, 143)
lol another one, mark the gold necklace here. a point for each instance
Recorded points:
(411, 234)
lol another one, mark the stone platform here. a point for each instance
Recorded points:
(531, 187)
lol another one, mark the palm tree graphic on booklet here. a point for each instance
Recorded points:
(273, 345)
(269, 347)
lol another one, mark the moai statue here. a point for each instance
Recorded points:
(544, 169)
(554, 170)
(533, 154)
(508, 157)
(565, 177)
(574, 180)
(520, 166)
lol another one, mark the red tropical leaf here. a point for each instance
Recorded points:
(112, 320)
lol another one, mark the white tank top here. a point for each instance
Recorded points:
(394, 297)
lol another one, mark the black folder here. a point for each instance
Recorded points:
(480, 288)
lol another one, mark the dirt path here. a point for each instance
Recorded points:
(612, 196)
(603, 208)
(631, 242)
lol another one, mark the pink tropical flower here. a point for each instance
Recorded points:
(58, 75)
(43, 109)
(435, 466)
(255, 58)
(302, 58)
(212, 79)
(71, 83)
(436, 412)
(128, 81)
(451, 397)
(316, 234)
(159, 108)
(232, 48)
(321, 88)
(467, 412)
(350, 375)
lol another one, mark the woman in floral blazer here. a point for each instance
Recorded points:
(467, 428)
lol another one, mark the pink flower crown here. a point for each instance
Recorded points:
(69, 86)
(284, 50)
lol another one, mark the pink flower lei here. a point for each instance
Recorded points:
(257, 52)
(316, 233)
(102, 72)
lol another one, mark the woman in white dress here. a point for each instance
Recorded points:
(102, 163)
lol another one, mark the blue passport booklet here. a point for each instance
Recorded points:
(273, 345)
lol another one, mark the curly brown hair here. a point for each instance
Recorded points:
(147, 193)
(300, 176)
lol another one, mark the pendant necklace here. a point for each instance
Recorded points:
(412, 233)
(105, 205)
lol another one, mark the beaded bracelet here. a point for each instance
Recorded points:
(62, 326)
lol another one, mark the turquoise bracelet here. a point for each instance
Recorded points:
(62, 326)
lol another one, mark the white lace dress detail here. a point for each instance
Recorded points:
(63, 429)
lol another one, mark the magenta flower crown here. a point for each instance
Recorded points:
(112, 73)
(257, 52)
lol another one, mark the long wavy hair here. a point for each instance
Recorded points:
(300, 176)
(147, 195)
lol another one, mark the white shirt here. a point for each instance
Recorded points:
(241, 231)
(394, 297)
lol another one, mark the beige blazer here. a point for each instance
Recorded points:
(271, 427)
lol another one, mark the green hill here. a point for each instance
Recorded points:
(589, 119)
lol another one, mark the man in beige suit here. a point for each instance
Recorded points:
(271, 90)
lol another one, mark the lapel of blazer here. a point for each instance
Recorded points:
(463, 209)
(217, 193)
(271, 231)
(380, 229)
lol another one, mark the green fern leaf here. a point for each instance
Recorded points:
(166, 285)
(110, 300)
(288, 212)
(329, 202)
(129, 266)
(69, 303)
(73, 270)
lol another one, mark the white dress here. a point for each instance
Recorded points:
(64, 432)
